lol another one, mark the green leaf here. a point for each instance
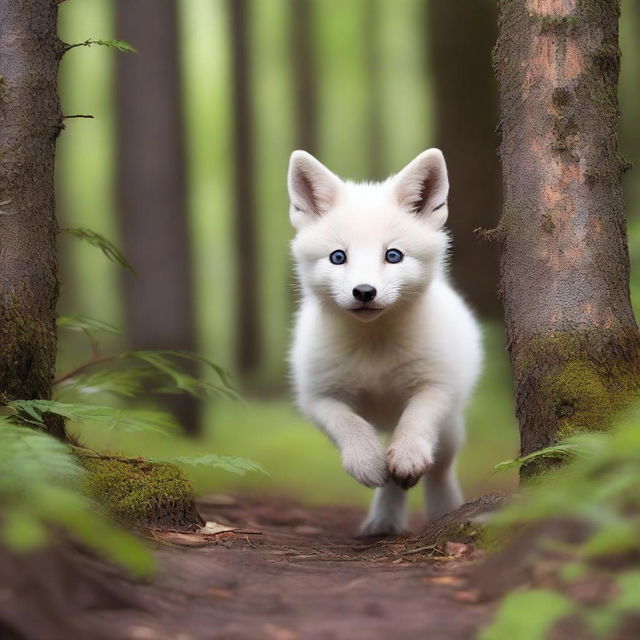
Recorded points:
(86, 324)
(99, 241)
(128, 420)
(164, 361)
(528, 615)
(22, 530)
(561, 450)
(127, 383)
(232, 464)
(40, 494)
(615, 537)
(120, 45)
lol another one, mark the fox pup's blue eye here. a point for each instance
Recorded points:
(394, 256)
(338, 257)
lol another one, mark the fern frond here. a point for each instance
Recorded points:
(106, 246)
(233, 464)
(131, 420)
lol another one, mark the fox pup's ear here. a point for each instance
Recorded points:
(313, 189)
(422, 187)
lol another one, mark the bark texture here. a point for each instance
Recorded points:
(248, 340)
(466, 116)
(159, 302)
(572, 336)
(30, 121)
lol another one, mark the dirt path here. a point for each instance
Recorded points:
(303, 575)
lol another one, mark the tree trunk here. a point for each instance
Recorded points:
(304, 75)
(151, 188)
(31, 120)
(466, 116)
(572, 336)
(375, 117)
(248, 343)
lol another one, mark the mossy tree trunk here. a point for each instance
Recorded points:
(466, 115)
(29, 125)
(159, 305)
(572, 336)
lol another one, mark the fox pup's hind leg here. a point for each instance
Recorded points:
(388, 514)
(443, 493)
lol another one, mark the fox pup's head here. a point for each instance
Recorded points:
(364, 248)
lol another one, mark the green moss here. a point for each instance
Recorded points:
(586, 381)
(581, 400)
(27, 352)
(141, 493)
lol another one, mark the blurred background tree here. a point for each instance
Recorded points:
(363, 84)
(151, 187)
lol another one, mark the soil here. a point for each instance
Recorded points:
(290, 572)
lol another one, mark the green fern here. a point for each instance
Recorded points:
(120, 45)
(131, 420)
(40, 492)
(233, 464)
(99, 241)
(598, 487)
(570, 448)
(87, 325)
(156, 371)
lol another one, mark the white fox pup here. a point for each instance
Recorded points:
(382, 341)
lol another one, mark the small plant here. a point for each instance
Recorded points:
(598, 489)
(43, 481)
(40, 491)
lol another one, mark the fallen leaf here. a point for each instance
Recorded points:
(182, 539)
(213, 528)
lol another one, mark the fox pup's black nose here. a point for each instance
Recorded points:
(364, 292)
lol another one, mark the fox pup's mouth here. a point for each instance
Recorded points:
(365, 312)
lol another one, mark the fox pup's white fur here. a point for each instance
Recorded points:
(382, 342)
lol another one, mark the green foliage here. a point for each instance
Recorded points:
(568, 448)
(40, 489)
(166, 362)
(120, 45)
(598, 488)
(132, 420)
(151, 371)
(106, 246)
(87, 325)
(528, 615)
(233, 464)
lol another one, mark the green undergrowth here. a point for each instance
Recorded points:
(100, 491)
(598, 490)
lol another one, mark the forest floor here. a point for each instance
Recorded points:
(292, 572)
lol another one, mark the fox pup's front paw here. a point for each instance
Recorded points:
(365, 461)
(408, 460)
